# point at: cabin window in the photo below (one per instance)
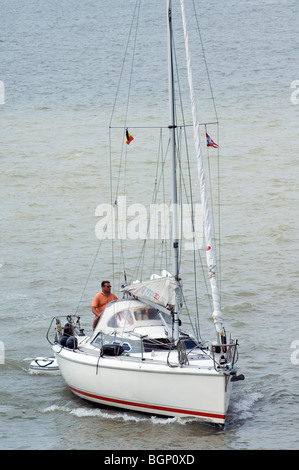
(146, 313)
(121, 319)
(127, 317)
(156, 344)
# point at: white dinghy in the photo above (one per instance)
(44, 366)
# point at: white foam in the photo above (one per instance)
(244, 406)
(85, 412)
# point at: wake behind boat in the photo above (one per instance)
(139, 357)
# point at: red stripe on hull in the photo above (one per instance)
(154, 408)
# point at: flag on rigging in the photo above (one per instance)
(210, 142)
(129, 138)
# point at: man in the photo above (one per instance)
(100, 301)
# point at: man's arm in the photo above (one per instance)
(95, 311)
(95, 307)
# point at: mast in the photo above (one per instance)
(217, 315)
(172, 128)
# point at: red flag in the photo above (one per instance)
(210, 142)
(129, 138)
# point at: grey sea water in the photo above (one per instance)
(60, 65)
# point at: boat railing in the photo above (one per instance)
(225, 355)
(67, 325)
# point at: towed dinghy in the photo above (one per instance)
(44, 366)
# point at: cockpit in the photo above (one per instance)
(130, 315)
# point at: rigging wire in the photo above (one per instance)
(205, 59)
(88, 277)
(159, 181)
(134, 15)
(122, 168)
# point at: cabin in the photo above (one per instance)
(132, 326)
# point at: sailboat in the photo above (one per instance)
(138, 357)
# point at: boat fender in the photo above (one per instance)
(63, 340)
(236, 378)
(72, 342)
(215, 348)
(67, 333)
(223, 340)
(222, 361)
(68, 329)
(69, 342)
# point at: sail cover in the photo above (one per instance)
(159, 290)
(217, 315)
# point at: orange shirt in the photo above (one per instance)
(100, 300)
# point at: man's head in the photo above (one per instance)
(106, 287)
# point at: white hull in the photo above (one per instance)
(148, 385)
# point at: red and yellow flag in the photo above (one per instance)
(129, 138)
